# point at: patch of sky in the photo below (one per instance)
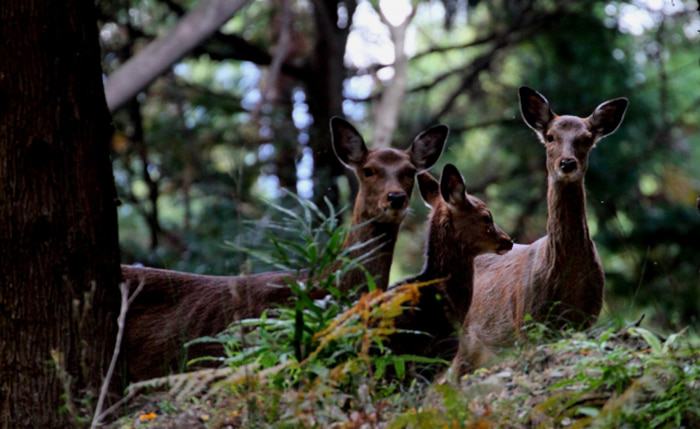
(354, 111)
(250, 74)
(182, 70)
(268, 186)
(153, 171)
(251, 99)
(300, 113)
(196, 116)
(305, 168)
(265, 152)
(225, 76)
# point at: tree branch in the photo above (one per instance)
(233, 47)
(140, 70)
(443, 49)
(386, 111)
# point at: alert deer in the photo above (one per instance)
(460, 227)
(176, 307)
(559, 278)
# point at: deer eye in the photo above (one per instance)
(367, 172)
(550, 138)
(486, 218)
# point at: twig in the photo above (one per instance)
(126, 302)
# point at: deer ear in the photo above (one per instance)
(607, 117)
(452, 186)
(429, 188)
(534, 109)
(348, 144)
(427, 147)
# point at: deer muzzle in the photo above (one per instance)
(504, 247)
(397, 200)
(568, 165)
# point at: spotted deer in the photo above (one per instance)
(176, 307)
(559, 278)
(460, 227)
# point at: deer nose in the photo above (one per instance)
(396, 200)
(567, 165)
(505, 245)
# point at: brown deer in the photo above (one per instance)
(176, 307)
(460, 227)
(559, 278)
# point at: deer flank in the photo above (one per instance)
(559, 278)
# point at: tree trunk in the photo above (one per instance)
(59, 255)
(324, 85)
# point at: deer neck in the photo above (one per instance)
(567, 226)
(385, 235)
(449, 259)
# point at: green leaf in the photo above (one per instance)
(588, 411)
(649, 337)
(400, 366)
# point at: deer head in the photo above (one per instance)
(569, 139)
(386, 176)
(472, 228)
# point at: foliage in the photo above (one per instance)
(325, 334)
(605, 377)
(601, 378)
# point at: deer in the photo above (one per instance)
(173, 307)
(460, 228)
(558, 279)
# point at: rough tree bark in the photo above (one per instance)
(59, 255)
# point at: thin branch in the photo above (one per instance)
(442, 49)
(423, 87)
(121, 322)
(504, 38)
(454, 130)
(519, 30)
(477, 66)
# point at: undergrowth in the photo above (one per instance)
(323, 363)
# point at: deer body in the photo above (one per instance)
(176, 307)
(559, 278)
(460, 227)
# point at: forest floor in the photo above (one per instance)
(625, 377)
